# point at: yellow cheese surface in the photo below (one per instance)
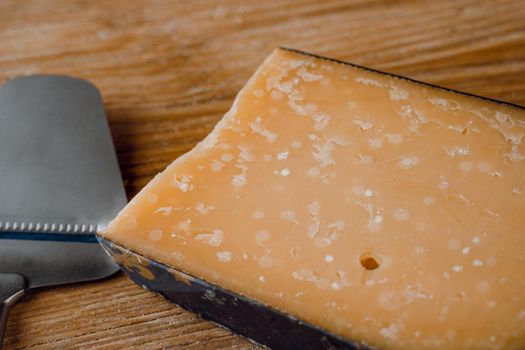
(382, 210)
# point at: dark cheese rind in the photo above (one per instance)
(242, 315)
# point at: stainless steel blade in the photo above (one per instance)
(59, 183)
(58, 168)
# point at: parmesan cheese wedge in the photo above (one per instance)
(379, 210)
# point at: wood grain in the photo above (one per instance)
(168, 70)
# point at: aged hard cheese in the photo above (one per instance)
(382, 210)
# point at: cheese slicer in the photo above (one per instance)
(59, 183)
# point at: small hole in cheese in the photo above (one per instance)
(368, 261)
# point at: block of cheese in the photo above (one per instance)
(376, 209)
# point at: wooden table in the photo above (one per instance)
(168, 70)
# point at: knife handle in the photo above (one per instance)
(12, 289)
